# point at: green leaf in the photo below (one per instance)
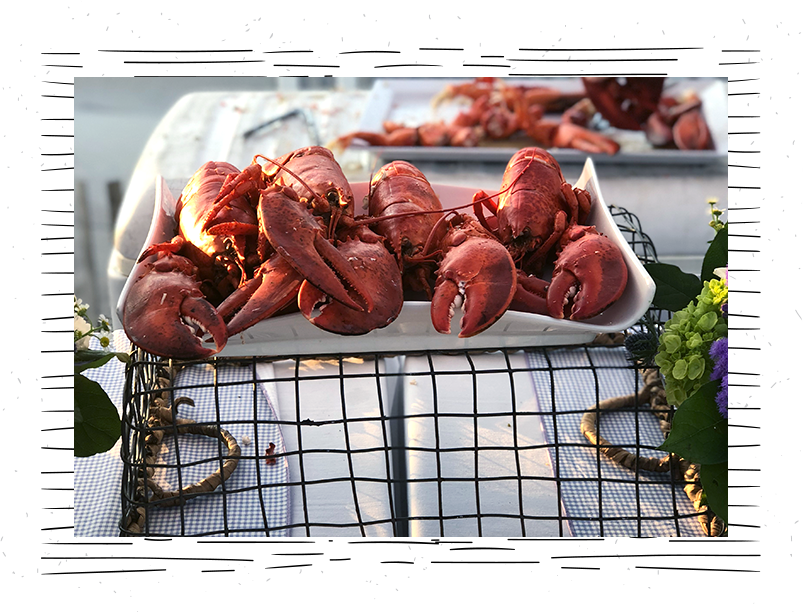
(699, 433)
(714, 480)
(97, 424)
(94, 359)
(716, 256)
(674, 288)
(675, 395)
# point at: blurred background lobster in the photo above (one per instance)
(283, 235)
(641, 103)
(553, 118)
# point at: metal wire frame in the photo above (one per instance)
(143, 384)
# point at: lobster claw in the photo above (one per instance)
(590, 274)
(691, 132)
(166, 314)
(476, 271)
(378, 269)
(299, 237)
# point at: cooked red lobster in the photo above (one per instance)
(406, 211)
(282, 235)
(171, 305)
(538, 213)
(640, 103)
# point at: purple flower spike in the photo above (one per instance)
(722, 397)
(719, 353)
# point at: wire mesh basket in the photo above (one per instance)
(418, 444)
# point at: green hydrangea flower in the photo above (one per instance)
(683, 351)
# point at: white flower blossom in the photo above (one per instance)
(79, 307)
(82, 327)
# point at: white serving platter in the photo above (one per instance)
(292, 334)
(409, 101)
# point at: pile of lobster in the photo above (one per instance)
(499, 111)
(283, 235)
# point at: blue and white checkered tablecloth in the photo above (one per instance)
(562, 379)
(583, 477)
(255, 494)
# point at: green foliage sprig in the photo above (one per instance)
(97, 423)
(683, 351)
(699, 305)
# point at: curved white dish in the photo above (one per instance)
(292, 334)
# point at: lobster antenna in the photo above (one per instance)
(435, 229)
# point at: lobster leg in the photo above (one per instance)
(531, 294)
(274, 286)
(400, 137)
(248, 181)
(163, 248)
(572, 136)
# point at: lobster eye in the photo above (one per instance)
(333, 198)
